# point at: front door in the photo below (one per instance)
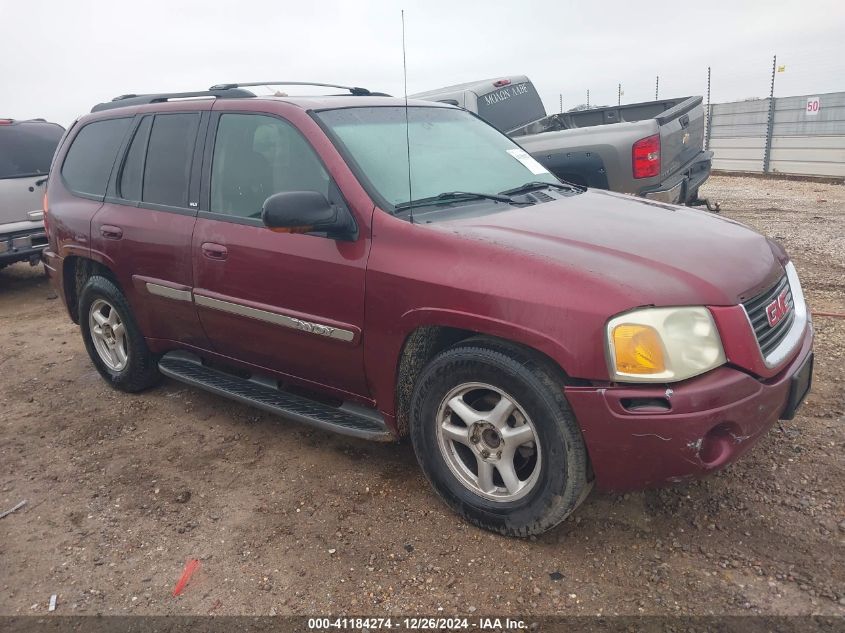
(292, 303)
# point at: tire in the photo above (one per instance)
(551, 469)
(139, 368)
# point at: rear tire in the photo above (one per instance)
(518, 466)
(113, 339)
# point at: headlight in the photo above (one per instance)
(662, 344)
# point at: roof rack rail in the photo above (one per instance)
(124, 101)
(353, 90)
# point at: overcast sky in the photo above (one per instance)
(57, 59)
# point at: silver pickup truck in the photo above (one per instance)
(652, 149)
(26, 150)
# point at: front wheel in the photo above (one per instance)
(496, 438)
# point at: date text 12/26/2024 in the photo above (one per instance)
(416, 623)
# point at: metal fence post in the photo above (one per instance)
(767, 154)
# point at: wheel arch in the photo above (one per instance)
(427, 338)
(76, 270)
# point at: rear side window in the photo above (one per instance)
(169, 153)
(91, 156)
(26, 149)
(132, 175)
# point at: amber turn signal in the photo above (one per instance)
(638, 349)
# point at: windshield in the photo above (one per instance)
(450, 150)
(26, 149)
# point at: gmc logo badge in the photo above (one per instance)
(777, 309)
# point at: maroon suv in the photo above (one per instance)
(532, 338)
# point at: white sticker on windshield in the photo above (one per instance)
(526, 159)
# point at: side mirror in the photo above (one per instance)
(306, 212)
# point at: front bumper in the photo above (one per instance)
(645, 436)
(682, 187)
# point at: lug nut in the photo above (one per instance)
(485, 453)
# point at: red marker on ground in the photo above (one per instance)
(191, 565)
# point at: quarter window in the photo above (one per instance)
(256, 156)
(169, 153)
(89, 160)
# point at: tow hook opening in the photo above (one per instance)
(717, 444)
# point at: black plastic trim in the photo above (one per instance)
(189, 369)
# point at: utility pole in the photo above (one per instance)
(561, 103)
(656, 87)
(588, 98)
(770, 124)
(619, 95)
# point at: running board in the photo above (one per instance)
(347, 419)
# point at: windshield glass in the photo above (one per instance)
(451, 150)
(26, 149)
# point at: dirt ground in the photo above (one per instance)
(122, 489)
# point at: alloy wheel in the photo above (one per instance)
(489, 442)
(108, 334)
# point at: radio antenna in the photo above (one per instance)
(407, 125)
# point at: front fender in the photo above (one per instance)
(384, 349)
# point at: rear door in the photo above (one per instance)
(26, 149)
(291, 303)
(144, 227)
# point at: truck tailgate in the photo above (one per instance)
(681, 135)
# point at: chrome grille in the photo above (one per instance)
(768, 337)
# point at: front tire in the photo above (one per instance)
(113, 339)
(496, 438)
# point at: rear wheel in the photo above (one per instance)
(112, 338)
(497, 439)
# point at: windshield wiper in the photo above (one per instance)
(539, 184)
(454, 196)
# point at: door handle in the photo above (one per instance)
(111, 232)
(214, 251)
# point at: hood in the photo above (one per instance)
(647, 252)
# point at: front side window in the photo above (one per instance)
(450, 150)
(89, 160)
(256, 156)
(170, 150)
(26, 149)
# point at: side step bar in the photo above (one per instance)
(348, 419)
